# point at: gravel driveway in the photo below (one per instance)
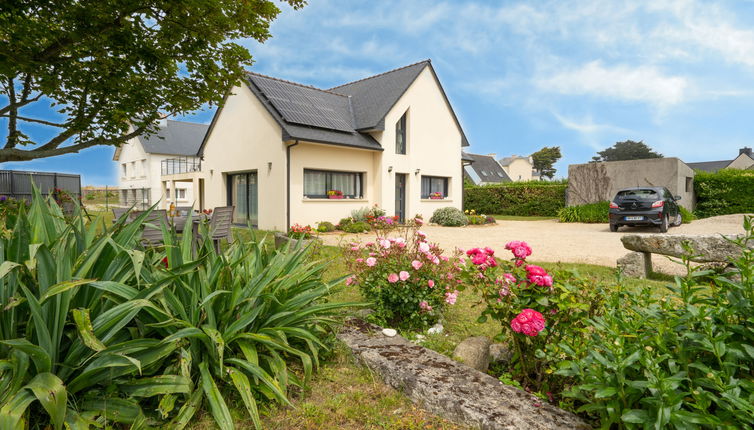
(553, 241)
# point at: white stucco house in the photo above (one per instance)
(276, 148)
(519, 168)
(142, 161)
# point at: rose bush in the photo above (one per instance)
(404, 276)
(536, 310)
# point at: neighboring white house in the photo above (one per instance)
(519, 168)
(143, 160)
(275, 148)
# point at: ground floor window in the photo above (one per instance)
(318, 182)
(243, 193)
(180, 193)
(434, 184)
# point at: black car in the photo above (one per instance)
(652, 206)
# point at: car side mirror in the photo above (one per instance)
(677, 198)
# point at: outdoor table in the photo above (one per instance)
(179, 221)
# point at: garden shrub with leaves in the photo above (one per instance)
(365, 213)
(681, 359)
(449, 217)
(478, 219)
(356, 227)
(727, 191)
(589, 213)
(536, 310)
(325, 227)
(405, 278)
(97, 330)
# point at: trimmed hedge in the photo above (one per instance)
(729, 191)
(533, 198)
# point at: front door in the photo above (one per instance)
(400, 196)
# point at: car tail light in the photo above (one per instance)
(658, 204)
(614, 206)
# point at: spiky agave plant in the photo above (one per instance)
(247, 313)
(71, 297)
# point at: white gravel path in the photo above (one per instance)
(553, 241)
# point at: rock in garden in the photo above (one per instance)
(420, 338)
(632, 265)
(499, 353)
(363, 313)
(435, 329)
(706, 248)
(389, 332)
(474, 352)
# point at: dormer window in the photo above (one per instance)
(400, 135)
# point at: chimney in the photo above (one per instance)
(745, 150)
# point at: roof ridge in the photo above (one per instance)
(188, 122)
(295, 83)
(381, 74)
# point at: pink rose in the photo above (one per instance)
(369, 244)
(371, 261)
(359, 260)
(504, 291)
(423, 247)
(528, 322)
(404, 275)
(450, 298)
(392, 278)
(385, 243)
(417, 264)
(431, 283)
(350, 280)
(424, 306)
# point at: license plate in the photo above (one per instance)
(634, 218)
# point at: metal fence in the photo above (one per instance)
(171, 166)
(18, 184)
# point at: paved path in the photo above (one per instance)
(553, 241)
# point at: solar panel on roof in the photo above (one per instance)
(300, 105)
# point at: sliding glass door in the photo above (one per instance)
(242, 193)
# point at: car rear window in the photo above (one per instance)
(647, 194)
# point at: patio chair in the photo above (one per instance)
(184, 210)
(219, 225)
(152, 236)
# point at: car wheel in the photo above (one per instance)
(664, 224)
(613, 227)
(678, 219)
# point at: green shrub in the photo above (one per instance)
(449, 217)
(325, 227)
(672, 359)
(95, 327)
(363, 214)
(534, 198)
(356, 227)
(343, 223)
(686, 215)
(729, 191)
(589, 213)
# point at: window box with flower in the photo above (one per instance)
(436, 196)
(335, 194)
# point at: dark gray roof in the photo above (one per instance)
(175, 138)
(374, 96)
(710, 166)
(308, 113)
(466, 157)
(487, 169)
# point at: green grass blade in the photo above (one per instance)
(217, 405)
(39, 356)
(244, 389)
(85, 329)
(51, 393)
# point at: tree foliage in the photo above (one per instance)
(101, 66)
(544, 159)
(628, 150)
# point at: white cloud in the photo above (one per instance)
(592, 134)
(638, 83)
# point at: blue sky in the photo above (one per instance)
(521, 75)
